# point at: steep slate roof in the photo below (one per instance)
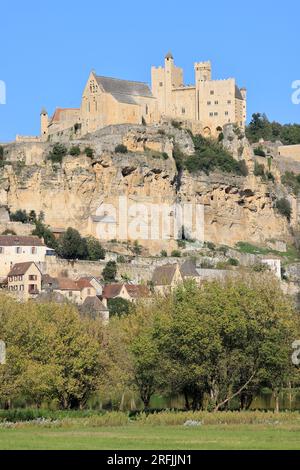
(238, 93)
(13, 240)
(188, 269)
(95, 304)
(137, 291)
(163, 275)
(20, 269)
(124, 91)
(112, 290)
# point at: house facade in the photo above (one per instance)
(14, 250)
(24, 281)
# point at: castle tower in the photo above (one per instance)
(202, 72)
(44, 124)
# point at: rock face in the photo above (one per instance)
(77, 192)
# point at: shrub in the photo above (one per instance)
(118, 307)
(121, 259)
(181, 244)
(176, 254)
(95, 251)
(165, 156)
(259, 151)
(58, 152)
(259, 170)
(233, 262)
(284, 208)
(89, 152)
(20, 216)
(109, 273)
(75, 151)
(291, 181)
(211, 246)
(9, 232)
(121, 149)
(176, 124)
(164, 254)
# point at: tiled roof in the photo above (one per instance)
(112, 290)
(163, 275)
(64, 283)
(20, 269)
(137, 291)
(124, 91)
(84, 283)
(13, 240)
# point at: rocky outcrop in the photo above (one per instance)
(236, 208)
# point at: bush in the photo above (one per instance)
(211, 246)
(181, 244)
(164, 254)
(259, 151)
(121, 149)
(137, 248)
(176, 124)
(109, 273)
(58, 152)
(118, 307)
(72, 246)
(284, 208)
(291, 181)
(176, 254)
(233, 262)
(210, 155)
(89, 152)
(20, 216)
(9, 232)
(75, 151)
(259, 170)
(165, 156)
(121, 259)
(95, 251)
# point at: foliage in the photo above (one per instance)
(176, 124)
(72, 246)
(75, 151)
(121, 149)
(90, 153)
(43, 231)
(57, 153)
(51, 354)
(137, 248)
(261, 128)
(292, 181)
(164, 254)
(118, 307)
(121, 259)
(9, 232)
(95, 251)
(284, 208)
(233, 262)
(109, 273)
(176, 254)
(259, 151)
(210, 155)
(20, 216)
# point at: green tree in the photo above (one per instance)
(94, 249)
(118, 307)
(57, 153)
(284, 207)
(109, 273)
(72, 246)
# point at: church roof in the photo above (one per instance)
(124, 91)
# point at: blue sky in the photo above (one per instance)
(48, 49)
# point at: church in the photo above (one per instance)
(106, 101)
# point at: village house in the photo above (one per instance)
(76, 291)
(96, 309)
(24, 281)
(166, 278)
(130, 292)
(15, 250)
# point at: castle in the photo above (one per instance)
(208, 103)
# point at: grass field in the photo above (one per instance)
(150, 437)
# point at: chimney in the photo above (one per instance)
(104, 301)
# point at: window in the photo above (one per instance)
(70, 294)
(89, 291)
(161, 84)
(19, 250)
(183, 110)
(216, 102)
(147, 109)
(1, 250)
(216, 114)
(226, 113)
(229, 102)
(33, 250)
(212, 92)
(32, 278)
(209, 103)
(211, 114)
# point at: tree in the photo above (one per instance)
(284, 207)
(72, 246)
(51, 354)
(57, 153)
(94, 249)
(19, 216)
(43, 231)
(118, 307)
(109, 273)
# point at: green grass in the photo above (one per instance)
(290, 255)
(140, 437)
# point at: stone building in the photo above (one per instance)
(106, 101)
(24, 281)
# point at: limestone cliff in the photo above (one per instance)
(236, 208)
